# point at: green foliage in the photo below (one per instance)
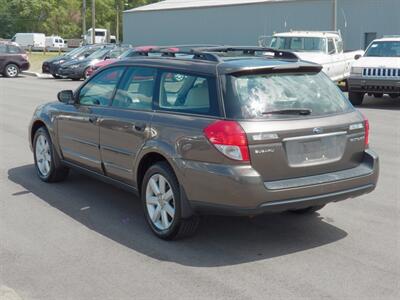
(60, 17)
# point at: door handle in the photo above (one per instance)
(139, 126)
(93, 119)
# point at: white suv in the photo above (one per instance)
(377, 72)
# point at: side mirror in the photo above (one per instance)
(86, 55)
(357, 56)
(107, 57)
(66, 96)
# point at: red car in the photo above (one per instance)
(126, 54)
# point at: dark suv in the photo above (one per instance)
(13, 59)
(245, 132)
(52, 65)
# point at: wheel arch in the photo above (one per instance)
(150, 157)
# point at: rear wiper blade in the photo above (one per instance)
(289, 111)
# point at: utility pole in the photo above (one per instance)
(83, 18)
(93, 21)
(117, 27)
(334, 16)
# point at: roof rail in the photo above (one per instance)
(391, 36)
(214, 53)
(250, 50)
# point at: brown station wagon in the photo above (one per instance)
(246, 131)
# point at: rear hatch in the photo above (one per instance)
(297, 124)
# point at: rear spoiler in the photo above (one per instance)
(286, 68)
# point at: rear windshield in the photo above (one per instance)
(256, 96)
(299, 44)
(384, 49)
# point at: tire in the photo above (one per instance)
(163, 212)
(85, 73)
(307, 210)
(55, 76)
(378, 95)
(356, 98)
(75, 79)
(43, 150)
(11, 71)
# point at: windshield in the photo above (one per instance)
(75, 52)
(256, 96)
(100, 53)
(384, 49)
(299, 44)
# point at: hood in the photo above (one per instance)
(377, 62)
(82, 62)
(56, 59)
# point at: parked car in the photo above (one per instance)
(52, 65)
(13, 59)
(377, 72)
(133, 52)
(129, 52)
(30, 40)
(240, 135)
(321, 47)
(80, 68)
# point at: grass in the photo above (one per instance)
(37, 58)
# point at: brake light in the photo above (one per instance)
(366, 128)
(229, 139)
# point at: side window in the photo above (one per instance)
(3, 48)
(13, 49)
(331, 46)
(188, 94)
(136, 90)
(100, 89)
(339, 45)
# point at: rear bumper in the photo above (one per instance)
(366, 85)
(214, 189)
(24, 66)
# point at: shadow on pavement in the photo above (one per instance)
(385, 102)
(220, 241)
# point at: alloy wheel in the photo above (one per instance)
(160, 202)
(12, 71)
(43, 155)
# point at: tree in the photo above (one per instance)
(59, 17)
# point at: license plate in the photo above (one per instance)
(313, 150)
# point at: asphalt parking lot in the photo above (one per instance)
(82, 239)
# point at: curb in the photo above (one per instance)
(35, 74)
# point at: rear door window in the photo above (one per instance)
(14, 49)
(188, 93)
(3, 48)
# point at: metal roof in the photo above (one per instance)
(184, 4)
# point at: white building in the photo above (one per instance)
(241, 22)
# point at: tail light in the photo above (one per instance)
(25, 56)
(229, 139)
(366, 128)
